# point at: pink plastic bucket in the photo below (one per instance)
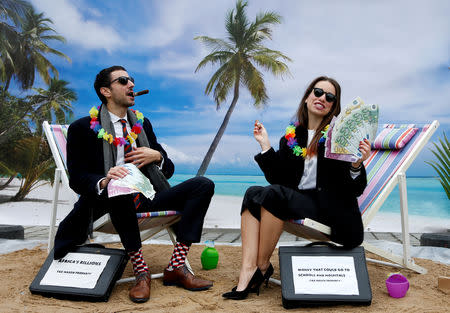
(397, 285)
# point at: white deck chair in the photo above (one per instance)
(385, 169)
(150, 223)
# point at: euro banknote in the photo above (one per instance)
(358, 121)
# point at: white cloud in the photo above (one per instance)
(386, 52)
(190, 149)
(376, 51)
(178, 156)
(177, 65)
(85, 33)
(175, 23)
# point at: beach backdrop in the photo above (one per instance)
(390, 53)
(156, 42)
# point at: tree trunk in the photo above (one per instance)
(215, 143)
(20, 195)
(24, 190)
(8, 182)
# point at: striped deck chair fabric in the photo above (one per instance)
(59, 134)
(382, 165)
(383, 168)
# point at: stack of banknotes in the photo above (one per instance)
(134, 182)
(358, 121)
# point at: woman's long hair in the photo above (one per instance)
(302, 112)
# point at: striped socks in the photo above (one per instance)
(178, 258)
(137, 260)
(179, 255)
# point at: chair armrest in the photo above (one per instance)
(317, 226)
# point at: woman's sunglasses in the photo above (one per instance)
(123, 80)
(318, 92)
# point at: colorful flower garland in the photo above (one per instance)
(292, 142)
(117, 141)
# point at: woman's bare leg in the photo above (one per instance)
(270, 231)
(250, 242)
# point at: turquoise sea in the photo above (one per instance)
(426, 197)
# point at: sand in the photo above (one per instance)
(19, 268)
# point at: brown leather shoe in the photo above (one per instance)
(182, 277)
(141, 289)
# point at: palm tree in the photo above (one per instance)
(237, 57)
(23, 48)
(31, 155)
(34, 163)
(14, 114)
(13, 127)
(442, 165)
(11, 11)
(33, 49)
(53, 104)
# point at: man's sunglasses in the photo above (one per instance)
(123, 80)
(318, 92)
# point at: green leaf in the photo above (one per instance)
(442, 164)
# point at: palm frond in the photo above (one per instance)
(55, 101)
(223, 87)
(269, 61)
(224, 82)
(236, 24)
(14, 9)
(445, 183)
(254, 81)
(215, 78)
(215, 44)
(4, 169)
(220, 57)
(442, 165)
(260, 29)
(442, 155)
(275, 54)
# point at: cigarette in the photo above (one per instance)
(140, 93)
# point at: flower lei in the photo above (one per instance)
(292, 142)
(117, 141)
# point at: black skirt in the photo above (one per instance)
(283, 202)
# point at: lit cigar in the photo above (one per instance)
(140, 93)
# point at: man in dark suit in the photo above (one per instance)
(94, 159)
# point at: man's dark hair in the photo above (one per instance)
(103, 79)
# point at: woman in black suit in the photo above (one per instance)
(304, 184)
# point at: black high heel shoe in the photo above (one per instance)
(254, 283)
(266, 277)
(268, 273)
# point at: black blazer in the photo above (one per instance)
(86, 168)
(337, 190)
(85, 156)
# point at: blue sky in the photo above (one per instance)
(391, 53)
